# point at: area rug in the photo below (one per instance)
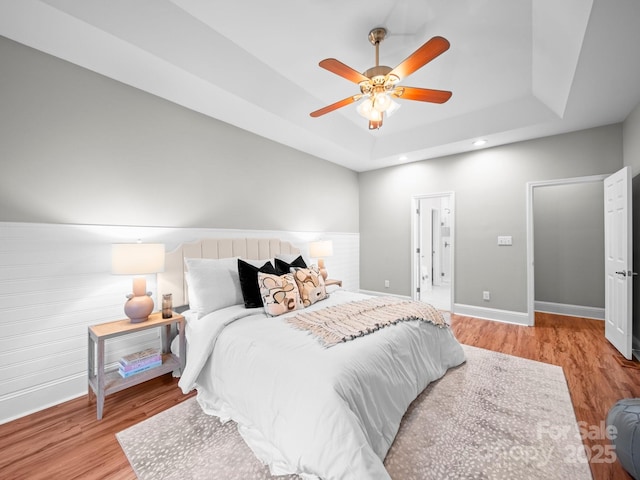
(494, 417)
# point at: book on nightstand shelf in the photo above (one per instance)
(140, 363)
(149, 366)
(140, 356)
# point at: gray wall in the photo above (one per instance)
(569, 244)
(631, 140)
(490, 189)
(76, 147)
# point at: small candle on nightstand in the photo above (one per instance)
(167, 306)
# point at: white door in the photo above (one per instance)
(618, 260)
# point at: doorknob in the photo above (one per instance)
(630, 273)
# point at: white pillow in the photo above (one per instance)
(212, 284)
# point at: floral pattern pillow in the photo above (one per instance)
(279, 293)
(310, 284)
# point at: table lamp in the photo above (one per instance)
(321, 249)
(137, 259)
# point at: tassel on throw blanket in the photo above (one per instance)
(340, 323)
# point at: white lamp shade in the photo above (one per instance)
(321, 249)
(137, 258)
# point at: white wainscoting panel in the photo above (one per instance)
(55, 282)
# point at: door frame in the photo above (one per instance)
(531, 186)
(423, 242)
(436, 246)
(415, 204)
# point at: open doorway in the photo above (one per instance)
(568, 281)
(432, 249)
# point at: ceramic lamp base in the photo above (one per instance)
(323, 271)
(138, 308)
(139, 305)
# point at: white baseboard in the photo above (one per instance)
(43, 396)
(506, 316)
(381, 294)
(570, 310)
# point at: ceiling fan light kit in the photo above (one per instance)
(378, 84)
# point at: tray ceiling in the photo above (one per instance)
(518, 70)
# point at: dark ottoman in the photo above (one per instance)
(625, 417)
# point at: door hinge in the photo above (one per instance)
(417, 250)
(418, 211)
(418, 290)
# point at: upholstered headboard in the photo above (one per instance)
(172, 280)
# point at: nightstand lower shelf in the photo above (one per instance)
(114, 382)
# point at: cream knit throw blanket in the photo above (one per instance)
(340, 323)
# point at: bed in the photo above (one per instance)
(303, 407)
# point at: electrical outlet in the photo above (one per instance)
(486, 295)
(387, 284)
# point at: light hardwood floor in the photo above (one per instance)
(67, 442)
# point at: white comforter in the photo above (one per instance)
(302, 408)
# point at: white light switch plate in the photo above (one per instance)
(505, 240)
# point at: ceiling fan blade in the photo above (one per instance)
(422, 94)
(422, 56)
(334, 106)
(345, 71)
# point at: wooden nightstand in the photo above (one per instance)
(104, 383)
(331, 281)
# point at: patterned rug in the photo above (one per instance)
(494, 417)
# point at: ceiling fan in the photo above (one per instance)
(378, 84)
